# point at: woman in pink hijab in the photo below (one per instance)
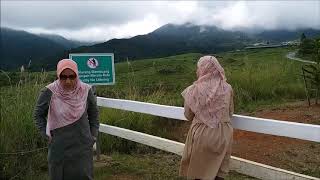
(66, 114)
(208, 103)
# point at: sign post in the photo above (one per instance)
(95, 68)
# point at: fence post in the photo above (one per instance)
(98, 152)
(305, 84)
(98, 136)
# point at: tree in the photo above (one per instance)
(311, 74)
(307, 46)
(302, 37)
(317, 51)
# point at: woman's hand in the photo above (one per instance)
(94, 139)
(94, 143)
(49, 139)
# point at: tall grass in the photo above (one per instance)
(22, 151)
(258, 77)
(134, 90)
(263, 78)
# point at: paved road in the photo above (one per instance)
(292, 55)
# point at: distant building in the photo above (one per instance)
(260, 44)
(294, 43)
(268, 45)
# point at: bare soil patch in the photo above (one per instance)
(288, 153)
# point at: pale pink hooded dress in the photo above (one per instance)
(209, 104)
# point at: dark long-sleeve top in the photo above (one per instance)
(90, 115)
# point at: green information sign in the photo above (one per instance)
(95, 68)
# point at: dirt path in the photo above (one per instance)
(288, 153)
(292, 56)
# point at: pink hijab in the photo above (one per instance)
(209, 96)
(66, 107)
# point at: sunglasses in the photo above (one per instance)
(65, 77)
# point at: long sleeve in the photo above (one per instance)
(188, 113)
(41, 111)
(93, 113)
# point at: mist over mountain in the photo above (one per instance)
(170, 40)
(174, 39)
(286, 35)
(18, 47)
(67, 43)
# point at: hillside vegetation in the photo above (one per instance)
(260, 78)
(44, 50)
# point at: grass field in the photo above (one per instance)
(260, 78)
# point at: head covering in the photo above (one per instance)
(209, 96)
(66, 107)
(67, 63)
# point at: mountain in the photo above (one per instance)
(60, 40)
(174, 39)
(286, 35)
(170, 40)
(19, 47)
(68, 44)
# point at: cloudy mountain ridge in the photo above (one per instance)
(170, 39)
(19, 47)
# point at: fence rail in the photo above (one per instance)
(302, 131)
(260, 125)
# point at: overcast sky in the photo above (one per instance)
(103, 20)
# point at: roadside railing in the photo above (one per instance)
(302, 131)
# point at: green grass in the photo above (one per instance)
(157, 166)
(260, 78)
(263, 77)
(148, 166)
(18, 132)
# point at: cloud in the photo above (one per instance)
(262, 14)
(105, 32)
(103, 20)
(68, 14)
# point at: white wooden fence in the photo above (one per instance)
(260, 125)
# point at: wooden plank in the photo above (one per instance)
(146, 139)
(240, 165)
(308, 132)
(263, 171)
(143, 107)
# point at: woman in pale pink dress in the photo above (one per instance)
(208, 103)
